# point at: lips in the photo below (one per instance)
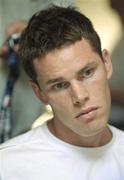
(87, 113)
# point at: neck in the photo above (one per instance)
(71, 137)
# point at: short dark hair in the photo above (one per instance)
(51, 29)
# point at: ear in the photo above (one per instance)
(107, 62)
(39, 93)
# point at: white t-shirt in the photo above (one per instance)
(39, 155)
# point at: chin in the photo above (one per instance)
(92, 129)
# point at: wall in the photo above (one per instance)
(105, 20)
(23, 9)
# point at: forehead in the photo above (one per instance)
(67, 59)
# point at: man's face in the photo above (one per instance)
(74, 81)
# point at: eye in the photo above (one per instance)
(60, 86)
(88, 72)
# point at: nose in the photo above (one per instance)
(79, 93)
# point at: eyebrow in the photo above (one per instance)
(51, 81)
(87, 66)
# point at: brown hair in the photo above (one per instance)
(51, 29)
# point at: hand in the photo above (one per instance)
(3, 52)
(12, 28)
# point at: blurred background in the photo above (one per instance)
(25, 108)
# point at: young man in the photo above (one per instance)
(61, 52)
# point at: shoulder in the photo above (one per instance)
(25, 139)
(118, 136)
(116, 130)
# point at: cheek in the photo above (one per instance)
(101, 90)
(60, 101)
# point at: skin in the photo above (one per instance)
(73, 80)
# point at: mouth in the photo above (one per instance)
(87, 114)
